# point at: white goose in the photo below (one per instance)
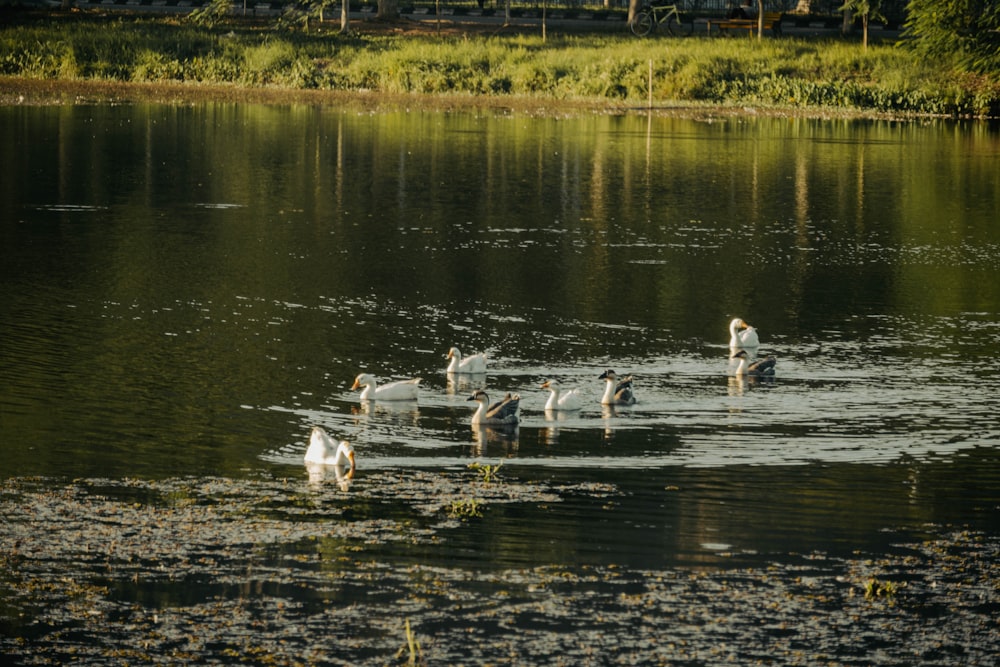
(505, 412)
(560, 399)
(742, 335)
(474, 363)
(617, 392)
(757, 368)
(403, 390)
(326, 451)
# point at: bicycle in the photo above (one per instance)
(650, 16)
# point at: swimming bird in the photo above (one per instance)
(325, 450)
(617, 392)
(560, 399)
(742, 335)
(505, 412)
(757, 368)
(474, 363)
(403, 390)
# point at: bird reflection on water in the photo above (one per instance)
(495, 440)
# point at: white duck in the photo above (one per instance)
(505, 412)
(757, 368)
(742, 335)
(403, 390)
(326, 451)
(474, 363)
(617, 392)
(559, 399)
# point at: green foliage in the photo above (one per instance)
(211, 14)
(884, 590)
(614, 68)
(266, 61)
(298, 15)
(488, 473)
(870, 9)
(966, 32)
(156, 66)
(465, 509)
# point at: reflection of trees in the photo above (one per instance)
(500, 210)
(708, 196)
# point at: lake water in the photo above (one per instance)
(188, 289)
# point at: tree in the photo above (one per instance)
(867, 10)
(388, 10)
(345, 17)
(321, 6)
(966, 30)
(210, 14)
(633, 9)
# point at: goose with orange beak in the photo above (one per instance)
(742, 335)
(326, 451)
(403, 390)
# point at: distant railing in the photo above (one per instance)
(612, 9)
(693, 6)
(697, 6)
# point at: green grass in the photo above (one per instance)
(600, 68)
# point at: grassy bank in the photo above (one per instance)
(609, 69)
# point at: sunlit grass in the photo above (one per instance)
(786, 73)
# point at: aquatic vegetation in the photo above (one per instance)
(875, 589)
(488, 473)
(412, 651)
(108, 571)
(466, 508)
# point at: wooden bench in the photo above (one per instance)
(772, 22)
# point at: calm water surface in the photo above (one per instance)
(186, 290)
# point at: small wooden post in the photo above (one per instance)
(650, 91)
(543, 20)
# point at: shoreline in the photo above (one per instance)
(15, 91)
(459, 65)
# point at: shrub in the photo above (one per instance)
(787, 72)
